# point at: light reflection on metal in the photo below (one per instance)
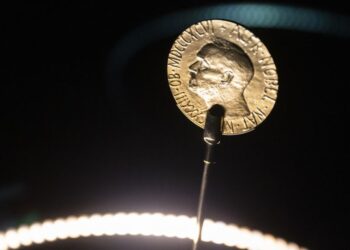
(221, 62)
(252, 15)
(146, 224)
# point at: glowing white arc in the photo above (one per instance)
(146, 224)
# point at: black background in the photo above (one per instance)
(68, 148)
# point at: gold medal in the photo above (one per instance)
(221, 62)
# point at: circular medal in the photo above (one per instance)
(221, 62)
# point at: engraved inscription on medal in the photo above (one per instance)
(220, 62)
(182, 100)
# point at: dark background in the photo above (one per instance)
(69, 147)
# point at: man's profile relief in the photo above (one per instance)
(220, 74)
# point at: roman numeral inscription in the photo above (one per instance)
(221, 62)
(190, 35)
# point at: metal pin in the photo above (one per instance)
(212, 135)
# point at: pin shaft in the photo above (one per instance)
(211, 136)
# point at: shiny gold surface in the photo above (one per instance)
(220, 62)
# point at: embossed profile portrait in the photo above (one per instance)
(220, 75)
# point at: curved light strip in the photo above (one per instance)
(145, 224)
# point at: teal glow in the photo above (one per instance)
(251, 15)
